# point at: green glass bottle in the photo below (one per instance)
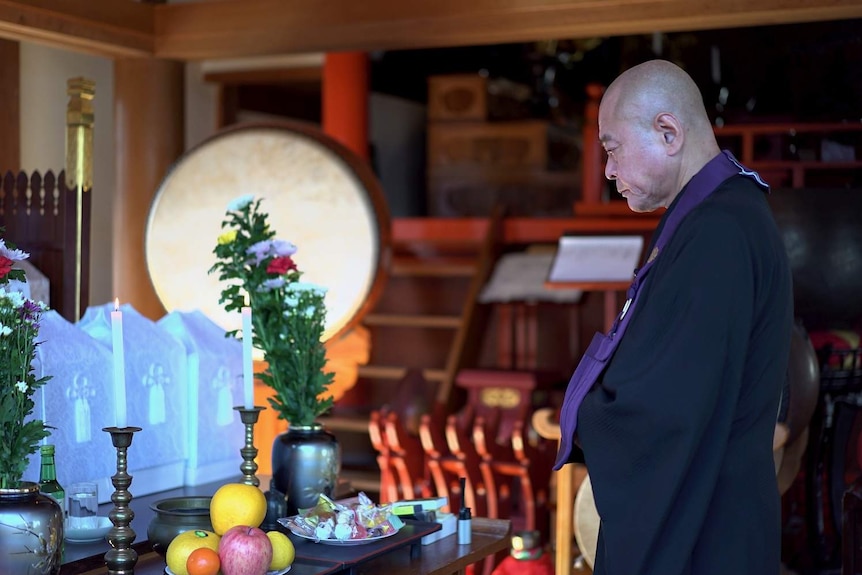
(48, 483)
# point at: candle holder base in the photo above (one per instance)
(121, 559)
(249, 417)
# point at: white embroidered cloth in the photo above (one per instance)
(156, 394)
(77, 402)
(213, 388)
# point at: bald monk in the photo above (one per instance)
(676, 406)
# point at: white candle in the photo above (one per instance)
(119, 364)
(247, 365)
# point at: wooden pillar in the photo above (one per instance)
(593, 169)
(10, 105)
(345, 100)
(149, 137)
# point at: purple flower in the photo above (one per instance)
(273, 283)
(282, 248)
(260, 251)
(30, 311)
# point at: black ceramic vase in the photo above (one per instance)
(306, 461)
(31, 531)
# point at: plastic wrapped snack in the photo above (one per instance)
(349, 520)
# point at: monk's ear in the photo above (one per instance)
(670, 131)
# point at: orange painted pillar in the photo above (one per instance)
(345, 95)
(345, 100)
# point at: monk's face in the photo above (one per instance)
(637, 161)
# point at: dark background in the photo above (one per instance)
(803, 72)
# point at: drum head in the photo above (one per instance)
(318, 194)
(587, 522)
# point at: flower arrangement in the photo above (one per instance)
(288, 315)
(19, 327)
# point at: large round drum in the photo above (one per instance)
(318, 194)
(586, 522)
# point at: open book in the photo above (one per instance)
(596, 258)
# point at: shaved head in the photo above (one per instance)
(657, 86)
(654, 127)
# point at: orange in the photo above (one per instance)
(237, 504)
(203, 561)
(184, 544)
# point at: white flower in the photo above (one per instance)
(14, 297)
(239, 203)
(14, 255)
(5, 329)
(22, 386)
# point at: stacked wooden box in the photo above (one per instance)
(483, 150)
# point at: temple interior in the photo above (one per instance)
(470, 133)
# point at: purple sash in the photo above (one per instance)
(602, 346)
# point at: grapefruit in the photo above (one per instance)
(283, 551)
(184, 544)
(237, 504)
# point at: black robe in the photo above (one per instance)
(677, 435)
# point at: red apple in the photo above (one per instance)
(244, 550)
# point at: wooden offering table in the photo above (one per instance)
(401, 554)
(443, 557)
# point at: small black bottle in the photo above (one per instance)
(465, 527)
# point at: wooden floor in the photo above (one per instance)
(581, 568)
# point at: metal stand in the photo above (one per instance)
(121, 559)
(249, 451)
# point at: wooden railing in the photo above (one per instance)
(789, 154)
(40, 216)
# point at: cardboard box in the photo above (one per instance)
(457, 97)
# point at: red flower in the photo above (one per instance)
(6, 266)
(280, 265)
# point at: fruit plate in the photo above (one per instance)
(282, 572)
(345, 543)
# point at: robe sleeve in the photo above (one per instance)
(655, 428)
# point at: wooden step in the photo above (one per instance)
(407, 320)
(444, 267)
(397, 372)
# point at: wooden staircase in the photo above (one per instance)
(426, 320)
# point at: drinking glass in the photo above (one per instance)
(83, 505)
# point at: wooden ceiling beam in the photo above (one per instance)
(113, 28)
(238, 28)
(245, 28)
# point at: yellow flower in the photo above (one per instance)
(227, 237)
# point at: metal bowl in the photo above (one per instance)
(176, 515)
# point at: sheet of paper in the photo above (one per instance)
(596, 258)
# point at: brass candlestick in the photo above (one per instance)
(121, 559)
(249, 451)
